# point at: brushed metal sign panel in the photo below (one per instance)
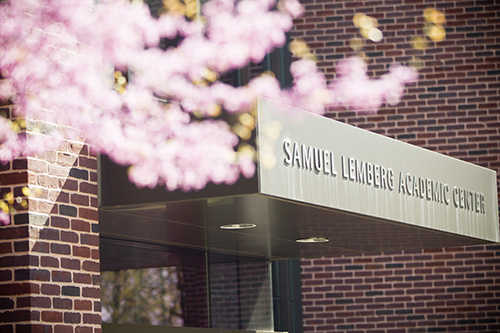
(314, 160)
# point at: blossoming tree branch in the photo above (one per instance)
(97, 69)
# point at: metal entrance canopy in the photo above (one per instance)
(317, 180)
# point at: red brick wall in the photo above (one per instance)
(195, 296)
(441, 290)
(49, 264)
(453, 109)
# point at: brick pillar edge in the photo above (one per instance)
(49, 254)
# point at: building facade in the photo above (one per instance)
(51, 258)
(454, 110)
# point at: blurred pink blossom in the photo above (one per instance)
(58, 56)
(355, 89)
(4, 218)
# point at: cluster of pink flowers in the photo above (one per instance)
(355, 89)
(58, 57)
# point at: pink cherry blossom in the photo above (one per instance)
(355, 89)
(58, 57)
(4, 218)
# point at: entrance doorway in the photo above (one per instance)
(151, 284)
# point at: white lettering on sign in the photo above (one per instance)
(309, 158)
(367, 173)
(424, 188)
(468, 200)
(322, 161)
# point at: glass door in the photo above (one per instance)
(158, 285)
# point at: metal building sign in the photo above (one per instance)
(310, 159)
(322, 188)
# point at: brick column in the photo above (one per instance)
(49, 264)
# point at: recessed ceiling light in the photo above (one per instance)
(239, 226)
(313, 240)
